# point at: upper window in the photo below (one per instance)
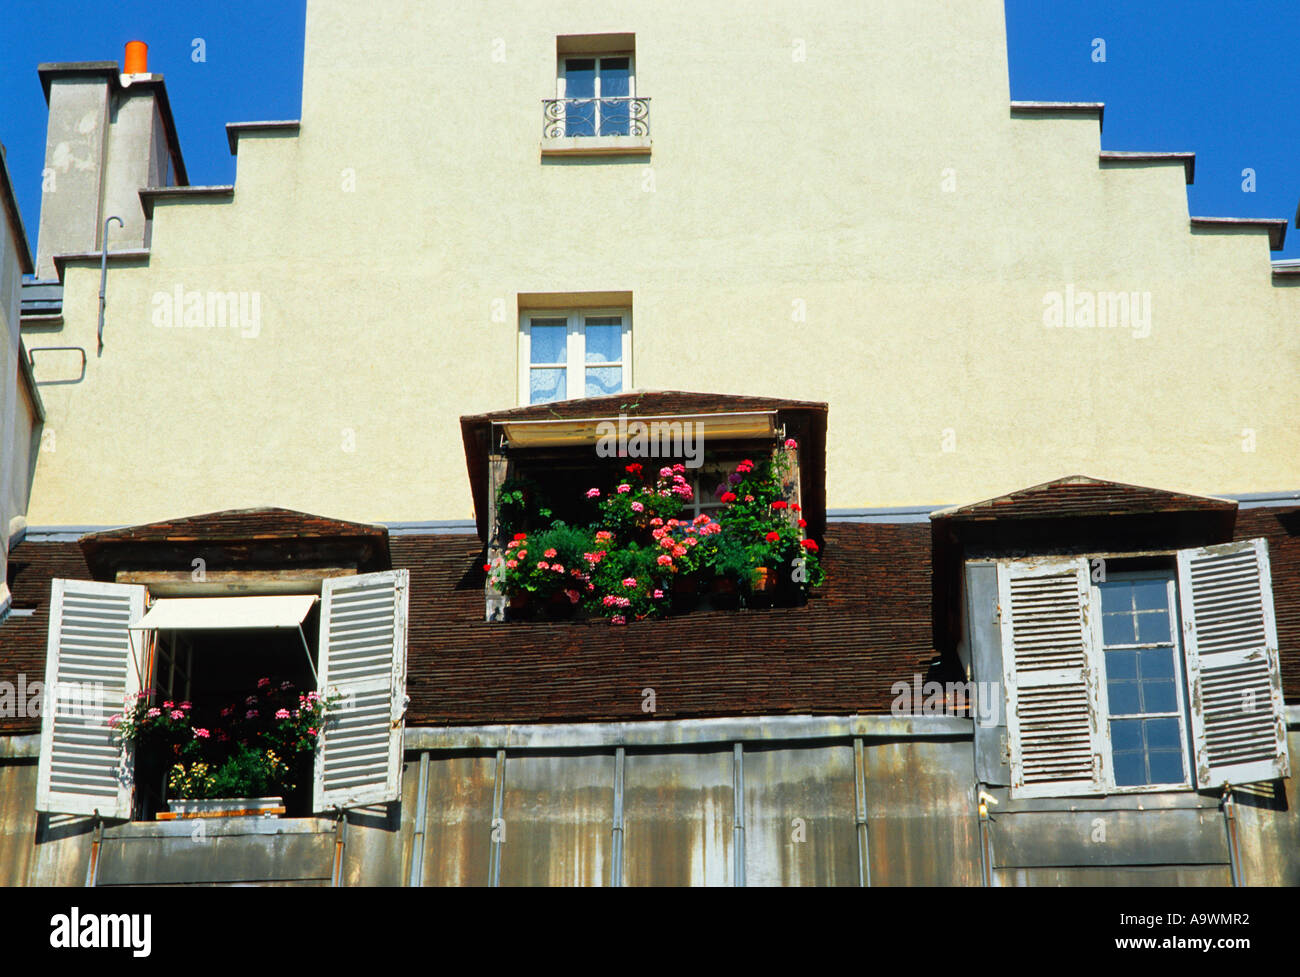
(565, 355)
(596, 109)
(1141, 674)
(597, 94)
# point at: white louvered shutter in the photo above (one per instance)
(363, 662)
(1052, 710)
(83, 766)
(1233, 680)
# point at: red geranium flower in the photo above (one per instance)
(808, 544)
(521, 536)
(487, 567)
(803, 523)
(795, 506)
(728, 496)
(633, 469)
(772, 537)
(778, 505)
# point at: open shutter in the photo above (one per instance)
(363, 667)
(1052, 715)
(90, 668)
(1233, 680)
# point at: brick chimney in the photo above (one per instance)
(109, 135)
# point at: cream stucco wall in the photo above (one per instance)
(413, 205)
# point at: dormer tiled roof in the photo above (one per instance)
(1080, 495)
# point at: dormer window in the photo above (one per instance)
(1125, 670)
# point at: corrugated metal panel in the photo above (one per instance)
(1268, 828)
(678, 816)
(799, 816)
(558, 814)
(1111, 838)
(17, 821)
(921, 813)
(1179, 876)
(458, 829)
(220, 851)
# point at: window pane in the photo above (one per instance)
(604, 343)
(1128, 770)
(1117, 629)
(547, 343)
(1162, 734)
(603, 380)
(1116, 596)
(545, 385)
(1159, 696)
(580, 78)
(1157, 663)
(615, 110)
(1126, 735)
(1123, 698)
(1150, 595)
(580, 83)
(1166, 767)
(1153, 627)
(1121, 664)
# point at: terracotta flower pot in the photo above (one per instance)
(764, 581)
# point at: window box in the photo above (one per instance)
(229, 807)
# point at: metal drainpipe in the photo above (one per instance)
(616, 841)
(1228, 806)
(986, 843)
(103, 276)
(421, 817)
(96, 837)
(860, 814)
(738, 794)
(498, 804)
(340, 830)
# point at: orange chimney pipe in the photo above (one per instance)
(137, 58)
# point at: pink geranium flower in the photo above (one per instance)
(629, 581)
(549, 553)
(593, 493)
(282, 714)
(637, 507)
(201, 734)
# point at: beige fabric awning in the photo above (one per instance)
(226, 613)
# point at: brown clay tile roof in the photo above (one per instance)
(868, 627)
(1079, 495)
(237, 524)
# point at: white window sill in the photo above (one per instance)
(596, 146)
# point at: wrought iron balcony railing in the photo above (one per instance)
(566, 117)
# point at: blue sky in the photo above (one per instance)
(1200, 75)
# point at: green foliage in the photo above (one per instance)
(521, 506)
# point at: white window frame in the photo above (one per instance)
(561, 83)
(575, 349)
